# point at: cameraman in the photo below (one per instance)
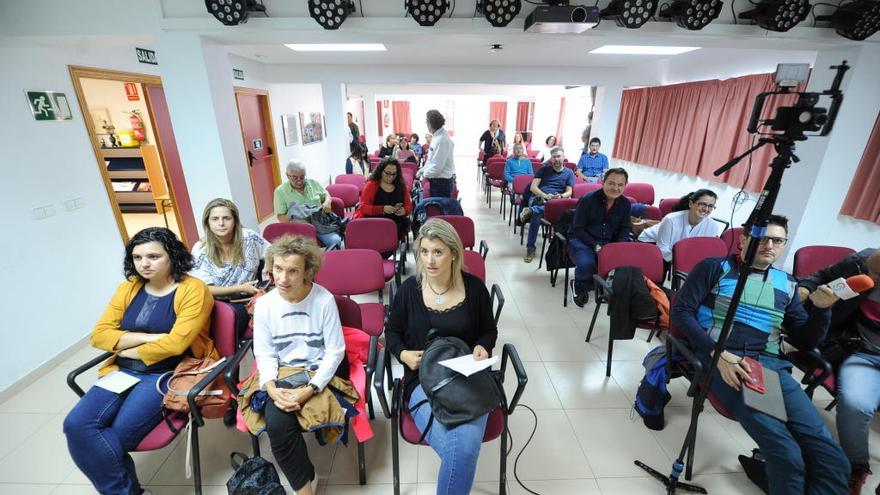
(855, 327)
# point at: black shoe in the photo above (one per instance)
(756, 469)
(579, 296)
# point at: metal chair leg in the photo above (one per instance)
(610, 352)
(395, 455)
(196, 460)
(502, 474)
(255, 445)
(593, 321)
(362, 465)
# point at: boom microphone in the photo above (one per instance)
(852, 286)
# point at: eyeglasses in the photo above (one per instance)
(705, 205)
(777, 241)
(296, 177)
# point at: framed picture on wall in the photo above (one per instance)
(100, 118)
(288, 125)
(311, 127)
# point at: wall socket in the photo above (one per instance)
(41, 212)
(74, 203)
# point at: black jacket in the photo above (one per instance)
(631, 302)
(408, 324)
(843, 312)
(593, 224)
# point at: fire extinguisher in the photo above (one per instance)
(137, 125)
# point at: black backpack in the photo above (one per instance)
(455, 399)
(556, 257)
(253, 476)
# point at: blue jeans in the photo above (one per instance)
(802, 457)
(534, 224)
(103, 427)
(441, 188)
(858, 396)
(458, 447)
(330, 240)
(584, 263)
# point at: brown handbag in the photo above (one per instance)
(213, 402)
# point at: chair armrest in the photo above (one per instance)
(484, 249)
(234, 362)
(509, 351)
(603, 287)
(378, 376)
(496, 294)
(817, 362)
(722, 222)
(71, 377)
(681, 274)
(194, 392)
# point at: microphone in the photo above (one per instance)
(851, 287)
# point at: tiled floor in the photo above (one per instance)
(587, 436)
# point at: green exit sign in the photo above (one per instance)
(49, 105)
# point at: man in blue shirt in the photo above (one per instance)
(601, 217)
(517, 164)
(592, 165)
(551, 181)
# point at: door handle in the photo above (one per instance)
(251, 158)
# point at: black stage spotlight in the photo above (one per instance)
(499, 13)
(630, 14)
(778, 15)
(692, 14)
(427, 12)
(856, 20)
(330, 14)
(233, 12)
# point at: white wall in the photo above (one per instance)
(293, 99)
(58, 273)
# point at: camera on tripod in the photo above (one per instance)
(791, 122)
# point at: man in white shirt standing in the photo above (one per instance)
(440, 167)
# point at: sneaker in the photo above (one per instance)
(579, 297)
(858, 477)
(530, 255)
(525, 215)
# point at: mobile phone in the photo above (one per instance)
(757, 374)
(264, 284)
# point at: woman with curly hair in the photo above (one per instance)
(385, 195)
(156, 317)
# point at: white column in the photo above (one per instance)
(196, 78)
(370, 128)
(605, 115)
(333, 94)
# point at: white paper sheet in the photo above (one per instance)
(467, 365)
(841, 289)
(117, 382)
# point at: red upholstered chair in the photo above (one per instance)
(409, 178)
(380, 235)
(353, 179)
(495, 178)
(553, 210)
(617, 254)
(520, 184)
(474, 261)
(731, 240)
(225, 341)
(275, 230)
(535, 166)
(348, 193)
(350, 272)
(426, 189)
(411, 166)
(667, 204)
(686, 253)
(641, 191)
(533, 153)
(402, 424)
(810, 259)
(338, 207)
(584, 188)
(652, 213)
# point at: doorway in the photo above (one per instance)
(130, 131)
(255, 116)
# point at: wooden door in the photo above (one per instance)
(259, 145)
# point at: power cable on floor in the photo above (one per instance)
(516, 461)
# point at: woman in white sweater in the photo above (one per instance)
(691, 217)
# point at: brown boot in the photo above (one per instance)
(857, 478)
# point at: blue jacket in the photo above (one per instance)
(516, 166)
(593, 166)
(593, 224)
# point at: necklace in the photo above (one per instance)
(438, 296)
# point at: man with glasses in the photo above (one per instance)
(855, 323)
(601, 217)
(300, 195)
(552, 181)
(801, 455)
(439, 167)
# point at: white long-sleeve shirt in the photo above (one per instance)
(675, 227)
(440, 164)
(306, 334)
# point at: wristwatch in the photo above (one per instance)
(315, 388)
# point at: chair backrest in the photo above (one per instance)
(810, 259)
(522, 182)
(349, 312)
(651, 212)
(411, 166)
(686, 253)
(409, 178)
(376, 233)
(337, 273)
(275, 230)
(643, 255)
(464, 227)
(667, 204)
(223, 329)
(426, 189)
(357, 180)
(495, 170)
(536, 166)
(731, 240)
(348, 193)
(583, 189)
(570, 166)
(338, 207)
(641, 191)
(554, 208)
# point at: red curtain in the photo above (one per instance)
(379, 117)
(522, 116)
(560, 122)
(400, 113)
(863, 199)
(694, 128)
(498, 111)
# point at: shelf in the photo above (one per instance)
(127, 174)
(133, 152)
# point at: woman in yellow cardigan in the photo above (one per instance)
(156, 317)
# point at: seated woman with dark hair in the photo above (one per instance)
(391, 142)
(457, 304)
(404, 152)
(357, 162)
(385, 195)
(690, 217)
(155, 318)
